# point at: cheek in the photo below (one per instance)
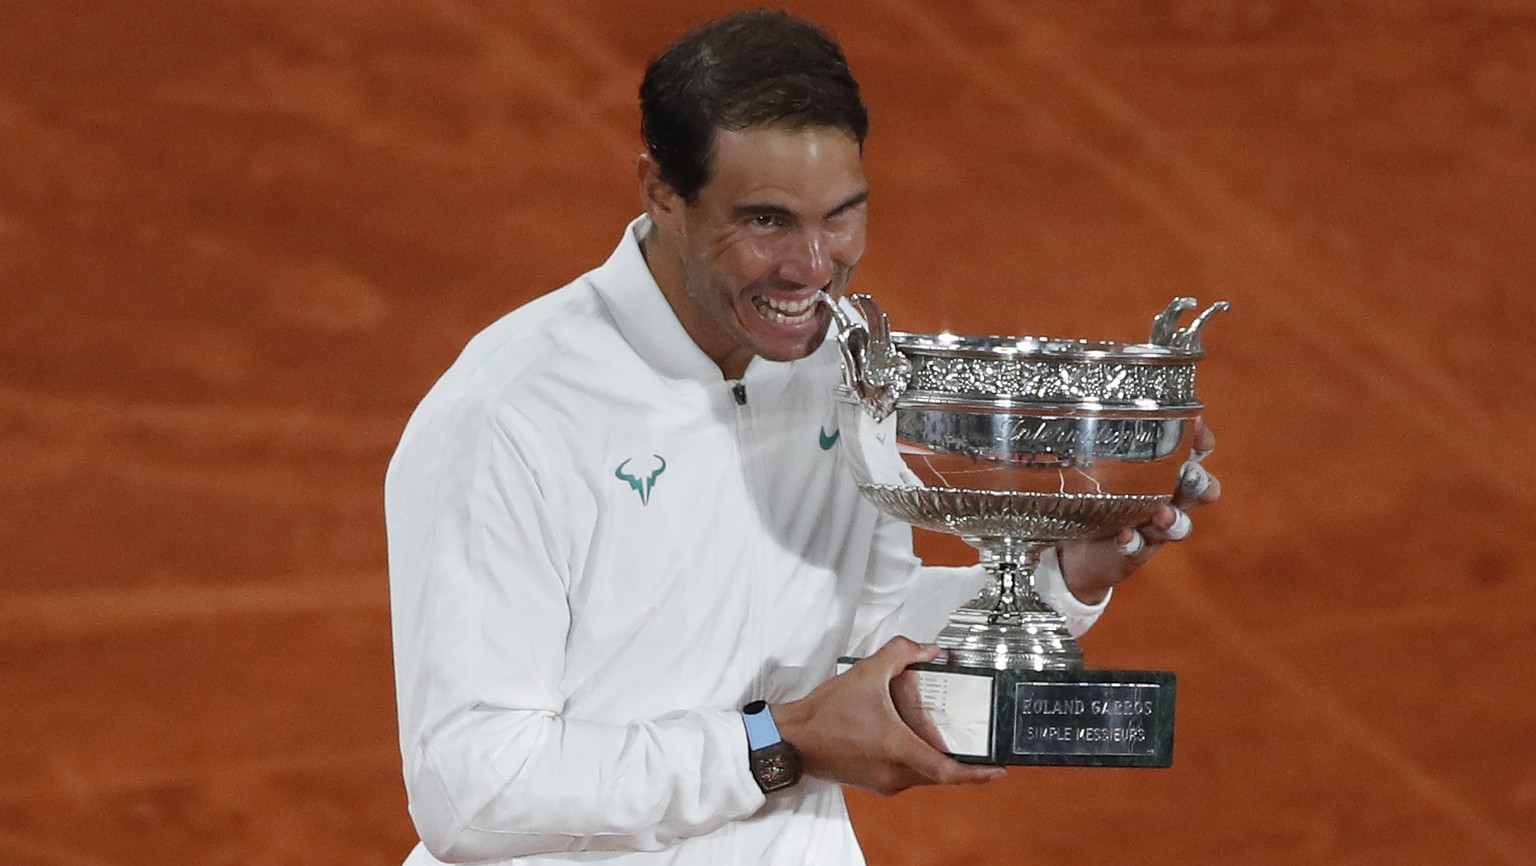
(847, 243)
(745, 263)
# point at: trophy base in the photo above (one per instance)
(1090, 718)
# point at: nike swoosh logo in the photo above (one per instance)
(828, 441)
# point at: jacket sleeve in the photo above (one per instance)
(479, 552)
(902, 596)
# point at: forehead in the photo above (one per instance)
(804, 167)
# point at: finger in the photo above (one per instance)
(1194, 479)
(1159, 523)
(1134, 552)
(907, 697)
(974, 774)
(922, 751)
(925, 749)
(1130, 542)
(1175, 530)
(941, 769)
(1181, 527)
(935, 767)
(1197, 486)
(1204, 441)
(899, 652)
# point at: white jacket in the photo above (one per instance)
(597, 555)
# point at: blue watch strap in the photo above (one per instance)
(761, 731)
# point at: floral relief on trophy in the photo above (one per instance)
(1050, 381)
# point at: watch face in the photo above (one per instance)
(776, 766)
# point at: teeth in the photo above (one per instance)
(785, 311)
(792, 307)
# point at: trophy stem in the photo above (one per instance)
(1007, 626)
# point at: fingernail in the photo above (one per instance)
(1199, 454)
(1195, 479)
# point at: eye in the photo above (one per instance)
(767, 221)
(850, 214)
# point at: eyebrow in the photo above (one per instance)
(852, 202)
(752, 210)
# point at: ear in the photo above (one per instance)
(661, 202)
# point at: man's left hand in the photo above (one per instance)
(1092, 568)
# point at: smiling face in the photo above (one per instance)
(781, 218)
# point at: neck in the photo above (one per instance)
(663, 256)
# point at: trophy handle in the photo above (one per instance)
(852, 341)
(872, 366)
(1166, 330)
(1188, 339)
(1166, 322)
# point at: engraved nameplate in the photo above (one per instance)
(1073, 718)
(1085, 718)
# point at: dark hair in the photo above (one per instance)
(755, 68)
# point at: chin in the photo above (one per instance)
(791, 352)
(787, 356)
(774, 345)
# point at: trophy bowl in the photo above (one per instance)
(1014, 444)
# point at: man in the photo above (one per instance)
(616, 521)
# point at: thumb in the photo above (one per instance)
(899, 652)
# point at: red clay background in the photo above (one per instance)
(239, 239)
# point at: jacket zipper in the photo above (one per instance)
(752, 627)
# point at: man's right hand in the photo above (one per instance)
(867, 728)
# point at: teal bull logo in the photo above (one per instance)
(642, 486)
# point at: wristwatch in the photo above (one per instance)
(775, 763)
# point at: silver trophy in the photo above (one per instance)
(1015, 444)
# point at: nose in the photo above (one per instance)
(808, 262)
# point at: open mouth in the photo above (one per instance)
(786, 311)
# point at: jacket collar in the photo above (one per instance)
(644, 317)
